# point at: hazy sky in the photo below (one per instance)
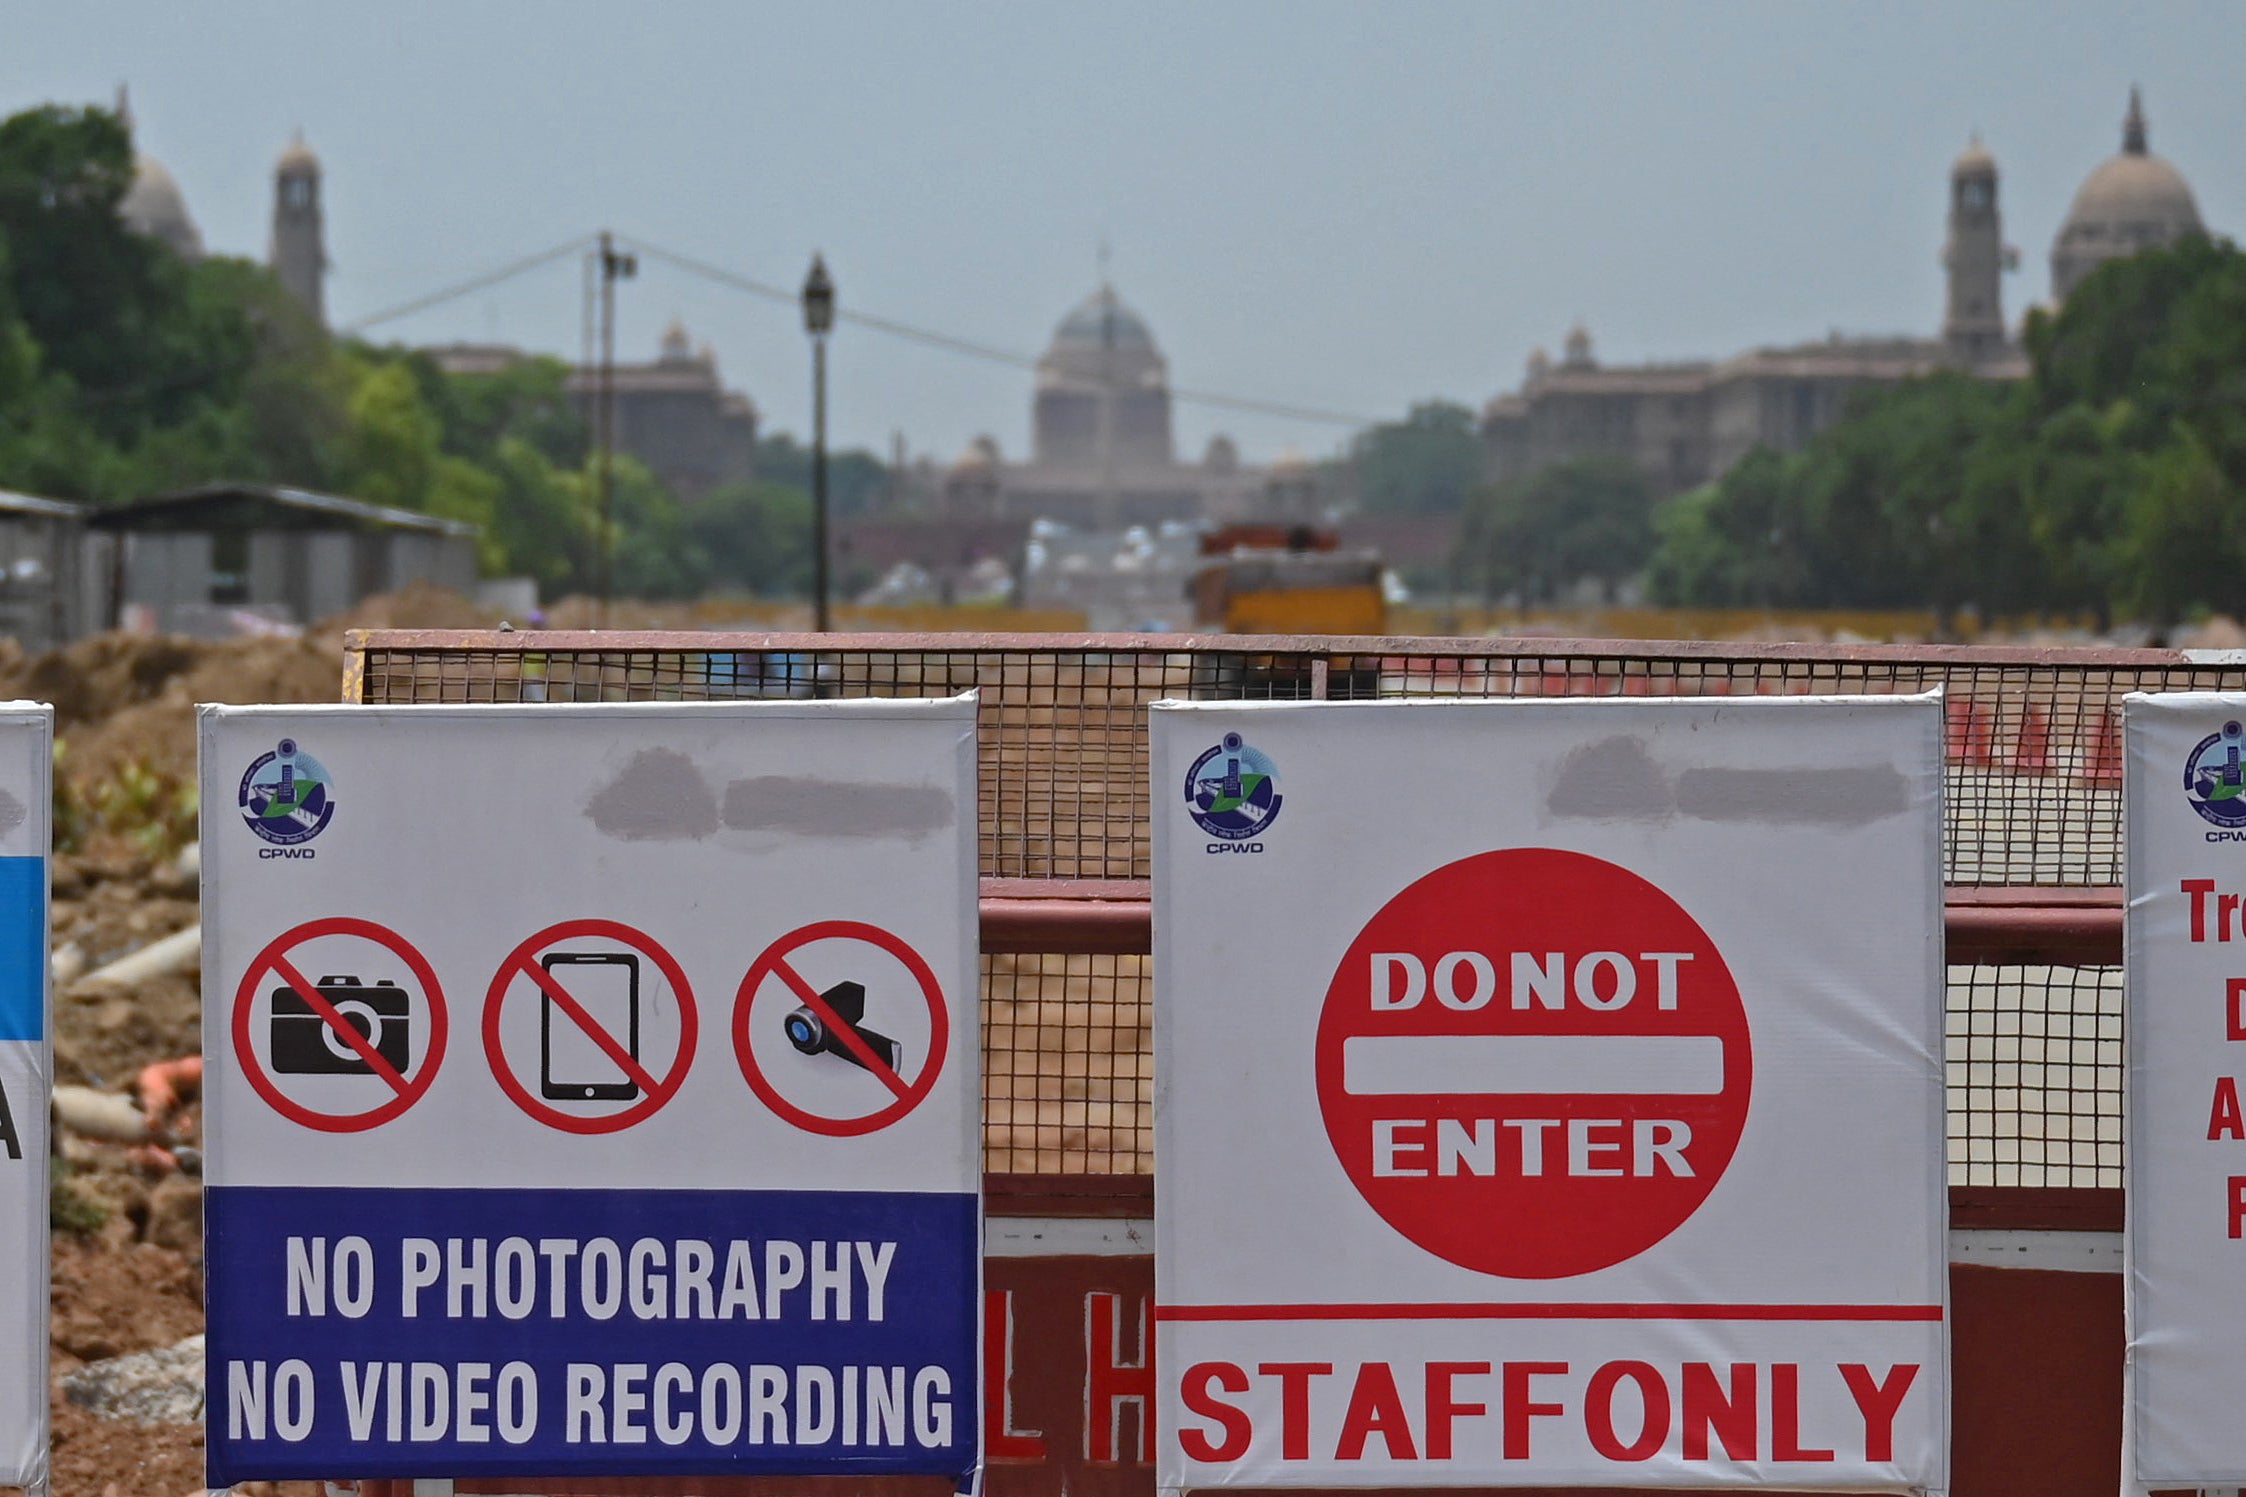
(1346, 206)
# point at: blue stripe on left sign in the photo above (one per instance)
(23, 948)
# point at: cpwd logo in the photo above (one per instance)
(2214, 780)
(1232, 793)
(287, 798)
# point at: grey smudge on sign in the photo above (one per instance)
(810, 807)
(1614, 779)
(659, 797)
(12, 813)
(1819, 797)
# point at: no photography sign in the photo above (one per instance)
(488, 1192)
(1597, 1048)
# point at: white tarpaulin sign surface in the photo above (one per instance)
(2185, 1019)
(1550, 1093)
(591, 1090)
(26, 803)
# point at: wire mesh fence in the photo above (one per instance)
(2032, 750)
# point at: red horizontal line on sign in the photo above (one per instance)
(1542, 1311)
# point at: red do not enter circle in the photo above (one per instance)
(1534, 1063)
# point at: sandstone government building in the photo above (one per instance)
(1102, 456)
(1682, 424)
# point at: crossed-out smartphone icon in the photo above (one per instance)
(572, 1066)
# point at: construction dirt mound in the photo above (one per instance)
(129, 699)
(128, 1258)
(125, 699)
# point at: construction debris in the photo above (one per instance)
(150, 1387)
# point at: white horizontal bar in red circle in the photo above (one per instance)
(1545, 1065)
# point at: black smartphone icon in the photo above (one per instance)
(572, 1066)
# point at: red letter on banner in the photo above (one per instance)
(1110, 1382)
(1375, 1407)
(1443, 1407)
(1294, 1404)
(1879, 1403)
(1598, 1411)
(1194, 1393)
(2199, 889)
(1785, 1416)
(1518, 1408)
(1000, 1439)
(2224, 1119)
(1707, 1408)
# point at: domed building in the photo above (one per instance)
(1102, 452)
(1103, 390)
(2134, 201)
(1683, 424)
(154, 205)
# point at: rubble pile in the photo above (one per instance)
(128, 1305)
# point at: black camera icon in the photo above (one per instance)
(304, 1044)
(813, 1036)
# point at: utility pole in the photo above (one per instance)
(818, 321)
(1109, 501)
(614, 266)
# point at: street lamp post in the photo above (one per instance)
(818, 320)
(614, 266)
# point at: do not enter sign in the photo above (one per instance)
(1534, 1063)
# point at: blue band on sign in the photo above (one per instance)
(23, 948)
(622, 1333)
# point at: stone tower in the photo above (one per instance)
(1973, 324)
(299, 254)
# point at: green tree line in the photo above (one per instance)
(2110, 483)
(126, 370)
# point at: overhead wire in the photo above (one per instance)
(472, 284)
(873, 322)
(968, 347)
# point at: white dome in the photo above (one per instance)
(155, 206)
(2130, 193)
(1099, 320)
(2134, 201)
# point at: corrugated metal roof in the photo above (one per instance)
(181, 510)
(31, 504)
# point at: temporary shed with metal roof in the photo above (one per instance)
(44, 571)
(227, 556)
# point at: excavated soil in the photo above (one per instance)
(125, 731)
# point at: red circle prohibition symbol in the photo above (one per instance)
(274, 960)
(773, 963)
(1534, 1063)
(654, 1091)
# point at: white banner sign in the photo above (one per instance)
(1551, 1093)
(592, 1090)
(26, 1072)
(2185, 1018)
